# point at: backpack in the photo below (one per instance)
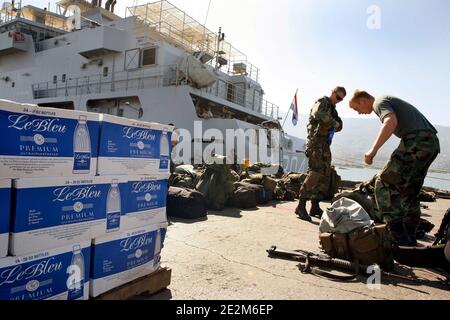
(367, 246)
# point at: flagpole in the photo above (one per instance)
(285, 119)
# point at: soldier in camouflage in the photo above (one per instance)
(398, 186)
(324, 121)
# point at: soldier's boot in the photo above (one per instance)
(316, 211)
(301, 211)
(398, 233)
(411, 226)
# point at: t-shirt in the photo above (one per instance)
(410, 119)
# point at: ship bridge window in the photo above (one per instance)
(55, 79)
(63, 79)
(148, 57)
(105, 71)
(132, 59)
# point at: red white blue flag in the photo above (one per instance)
(294, 108)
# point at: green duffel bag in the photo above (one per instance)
(216, 184)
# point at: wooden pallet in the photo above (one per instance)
(148, 285)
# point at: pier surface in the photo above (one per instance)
(224, 257)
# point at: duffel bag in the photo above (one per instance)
(260, 193)
(186, 204)
(242, 198)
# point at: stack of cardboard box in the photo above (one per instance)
(83, 200)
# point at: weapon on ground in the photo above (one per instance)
(312, 263)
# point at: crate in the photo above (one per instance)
(148, 285)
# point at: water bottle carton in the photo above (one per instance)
(120, 259)
(5, 213)
(133, 147)
(47, 142)
(53, 212)
(147, 200)
(56, 274)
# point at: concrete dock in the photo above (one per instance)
(224, 257)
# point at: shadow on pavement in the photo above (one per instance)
(164, 295)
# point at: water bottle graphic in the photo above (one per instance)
(81, 147)
(164, 150)
(157, 255)
(76, 280)
(113, 207)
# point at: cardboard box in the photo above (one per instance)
(47, 142)
(133, 147)
(54, 212)
(57, 274)
(5, 213)
(120, 259)
(147, 201)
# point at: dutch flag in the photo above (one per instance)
(294, 108)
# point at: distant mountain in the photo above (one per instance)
(358, 135)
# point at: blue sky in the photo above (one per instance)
(314, 45)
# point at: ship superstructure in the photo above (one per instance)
(157, 64)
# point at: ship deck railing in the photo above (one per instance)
(248, 99)
(154, 77)
(179, 28)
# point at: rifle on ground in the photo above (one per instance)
(314, 263)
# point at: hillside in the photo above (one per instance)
(358, 135)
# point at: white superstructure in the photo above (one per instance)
(156, 64)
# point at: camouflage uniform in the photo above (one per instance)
(398, 186)
(323, 117)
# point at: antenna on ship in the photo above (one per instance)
(219, 60)
(204, 25)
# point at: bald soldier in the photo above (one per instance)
(324, 121)
(398, 186)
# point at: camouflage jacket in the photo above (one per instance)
(322, 119)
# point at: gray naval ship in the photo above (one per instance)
(156, 64)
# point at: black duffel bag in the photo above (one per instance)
(242, 198)
(186, 204)
(262, 197)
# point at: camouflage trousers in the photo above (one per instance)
(317, 182)
(398, 186)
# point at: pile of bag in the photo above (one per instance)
(257, 168)
(185, 176)
(427, 196)
(221, 186)
(288, 187)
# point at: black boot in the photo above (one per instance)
(398, 233)
(411, 226)
(301, 211)
(315, 209)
